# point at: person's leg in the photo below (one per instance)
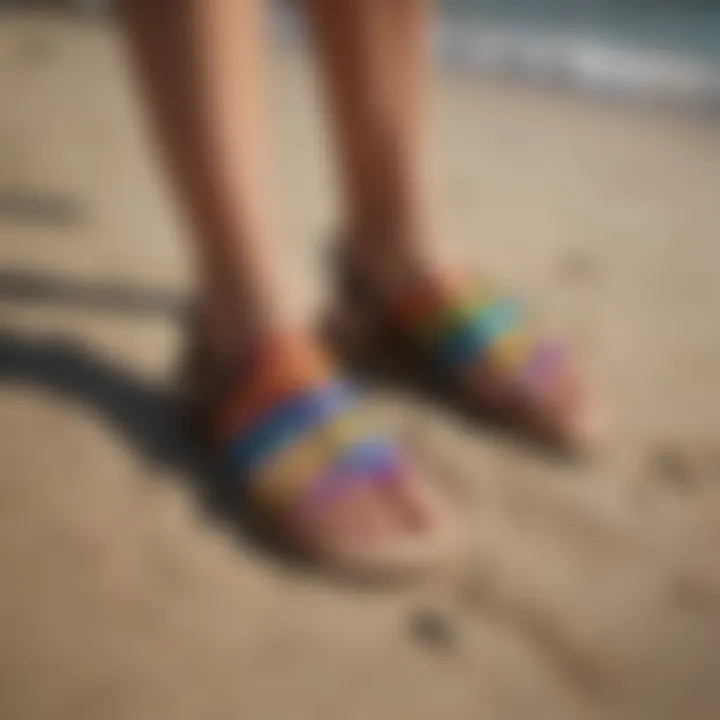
(376, 56)
(202, 70)
(374, 59)
(288, 423)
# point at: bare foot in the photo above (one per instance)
(478, 338)
(330, 484)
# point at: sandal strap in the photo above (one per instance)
(466, 323)
(320, 461)
(288, 428)
(266, 383)
(542, 362)
(284, 423)
(373, 458)
(471, 339)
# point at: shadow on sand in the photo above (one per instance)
(152, 417)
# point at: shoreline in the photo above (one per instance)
(581, 63)
(584, 61)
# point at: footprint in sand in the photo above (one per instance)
(432, 628)
(684, 466)
(484, 593)
(672, 467)
(578, 266)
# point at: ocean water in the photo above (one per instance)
(660, 49)
(685, 27)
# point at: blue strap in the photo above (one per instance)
(368, 455)
(471, 340)
(287, 421)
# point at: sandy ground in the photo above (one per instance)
(591, 591)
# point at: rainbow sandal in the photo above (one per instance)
(478, 339)
(297, 439)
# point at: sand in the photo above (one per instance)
(590, 591)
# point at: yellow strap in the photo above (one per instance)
(510, 351)
(293, 469)
(463, 308)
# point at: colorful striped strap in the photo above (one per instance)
(269, 384)
(464, 327)
(285, 422)
(314, 436)
(321, 463)
(373, 458)
(470, 340)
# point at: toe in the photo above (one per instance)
(409, 500)
(355, 512)
(372, 517)
(565, 404)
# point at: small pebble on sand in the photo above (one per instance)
(672, 465)
(578, 265)
(433, 628)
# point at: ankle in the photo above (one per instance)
(386, 258)
(228, 327)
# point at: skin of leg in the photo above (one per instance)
(374, 57)
(201, 64)
(201, 67)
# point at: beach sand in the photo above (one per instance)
(591, 590)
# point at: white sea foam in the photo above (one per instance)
(589, 62)
(581, 60)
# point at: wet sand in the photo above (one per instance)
(591, 590)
